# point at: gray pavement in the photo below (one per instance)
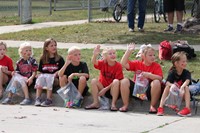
(22, 119)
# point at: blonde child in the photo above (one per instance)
(49, 65)
(6, 67)
(26, 68)
(150, 70)
(109, 79)
(178, 74)
(76, 71)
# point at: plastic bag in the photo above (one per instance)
(104, 103)
(45, 81)
(194, 88)
(140, 87)
(16, 84)
(174, 99)
(69, 94)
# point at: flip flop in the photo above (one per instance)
(113, 109)
(89, 107)
(152, 111)
(123, 109)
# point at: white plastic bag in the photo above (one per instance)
(69, 94)
(174, 99)
(45, 81)
(16, 84)
(140, 87)
(104, 103)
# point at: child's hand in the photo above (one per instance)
(97, 50)
(29, 81)
(131, 46)
(70, 77)
(69, 59)
(4, 69)
(13, 73)
(102, 92)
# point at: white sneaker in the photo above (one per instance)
(131, 30)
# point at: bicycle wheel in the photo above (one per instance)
(117, 12)
(165, 17)
(156, 12)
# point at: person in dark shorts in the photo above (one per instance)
(170, 6)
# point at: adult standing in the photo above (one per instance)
(170, 6)
(131, 8)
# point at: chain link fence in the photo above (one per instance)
(68, 10)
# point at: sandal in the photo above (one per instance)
(113, 109)
(123, 109)
(152, 111)
(90, 107)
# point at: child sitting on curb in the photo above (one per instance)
(23, 76)
(76, 71)
(50, 63)
(149, 69)
(109, 79)
(6, 67)
(179, 75)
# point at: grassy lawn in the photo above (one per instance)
(102, 33)
(87, 53)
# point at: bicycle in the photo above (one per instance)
(159, 11)
(119, 9)
(194, 8)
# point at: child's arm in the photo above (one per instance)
(151, 76)
(186, 83)
(104, 90)
(96, 52)
(124, 60)
(62, 70)
(30, 79)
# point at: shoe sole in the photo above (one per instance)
(188, 115)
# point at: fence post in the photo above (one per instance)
(89, 11)
(25, 11)
(50, 7)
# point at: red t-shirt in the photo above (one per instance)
(136, 65)
(109, 73)
(7, 61)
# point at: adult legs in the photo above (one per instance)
(142, 11)
(131, 13)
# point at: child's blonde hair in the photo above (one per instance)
(105, 51)
(146, 49)
(4, 44)
(72, 49)
(24, 45)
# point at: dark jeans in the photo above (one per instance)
(131, 9)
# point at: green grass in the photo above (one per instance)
(87, 53)
(102, 33)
